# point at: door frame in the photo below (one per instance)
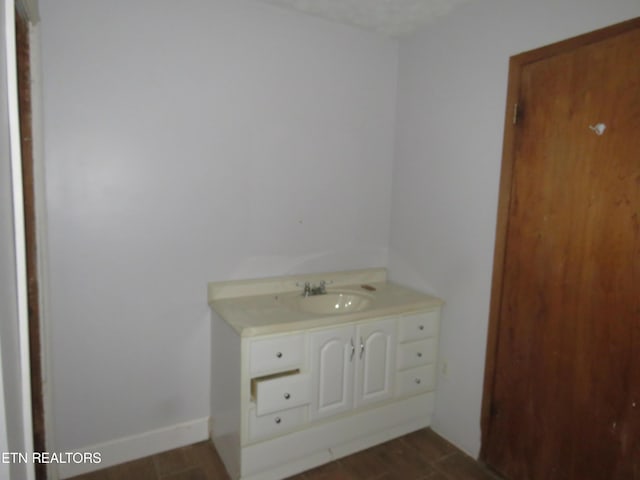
(9, 17)
(31, 254)
(31, 228)
(516, 65)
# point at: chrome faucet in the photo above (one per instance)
(311, 289)
(321, 289)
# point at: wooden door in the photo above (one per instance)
(332, 366)
(376, 361)
(562, 384)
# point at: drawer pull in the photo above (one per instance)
(418, 381)
(421, 327)
(419, 354)
(279, 354)
(278, 420)
(287, 396)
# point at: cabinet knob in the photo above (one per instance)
(278, 419)
(279, 354)
(419, 354)
(418, 381)
(421, 327)
(287, 396)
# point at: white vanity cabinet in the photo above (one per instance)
(332, 363)
(275, 354)
(309, 397)
(280, 386)
(417, 352)
(291, 391)
(375, 363)
(351, 366)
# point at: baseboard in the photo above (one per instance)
(125, 449)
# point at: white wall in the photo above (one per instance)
(188, 142)
(220, 139)
(452, 88)
(14, 411)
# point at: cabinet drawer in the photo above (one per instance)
(418, 353)
(416, 380)
(276, 354)
(281, 393)
(416, 327)
(275, 423)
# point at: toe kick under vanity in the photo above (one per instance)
(307, 369)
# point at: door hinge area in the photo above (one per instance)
(516, 112)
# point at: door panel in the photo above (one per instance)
(376, 361)
(564, 396)
(332, 357)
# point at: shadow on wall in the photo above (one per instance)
(406, 273)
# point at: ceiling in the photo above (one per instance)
(391, 17)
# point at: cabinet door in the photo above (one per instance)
(332, 355)
(376, 345)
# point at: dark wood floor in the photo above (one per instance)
(422, 455)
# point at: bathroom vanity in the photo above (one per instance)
(301, 379)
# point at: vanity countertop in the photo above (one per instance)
(263, 306)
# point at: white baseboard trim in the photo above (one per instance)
(138, 446)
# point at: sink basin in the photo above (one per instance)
(332, 303)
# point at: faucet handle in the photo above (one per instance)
(322, 286)
(307, 288)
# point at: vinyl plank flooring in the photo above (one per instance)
(421, 455)
(195, 473)
(142, 469)
(205, 456)
(429, 444)
(438, 476)
(364, 464)
(172, 461)
(460, 466)
(97, 475)
(402, 461)
(329, 471)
